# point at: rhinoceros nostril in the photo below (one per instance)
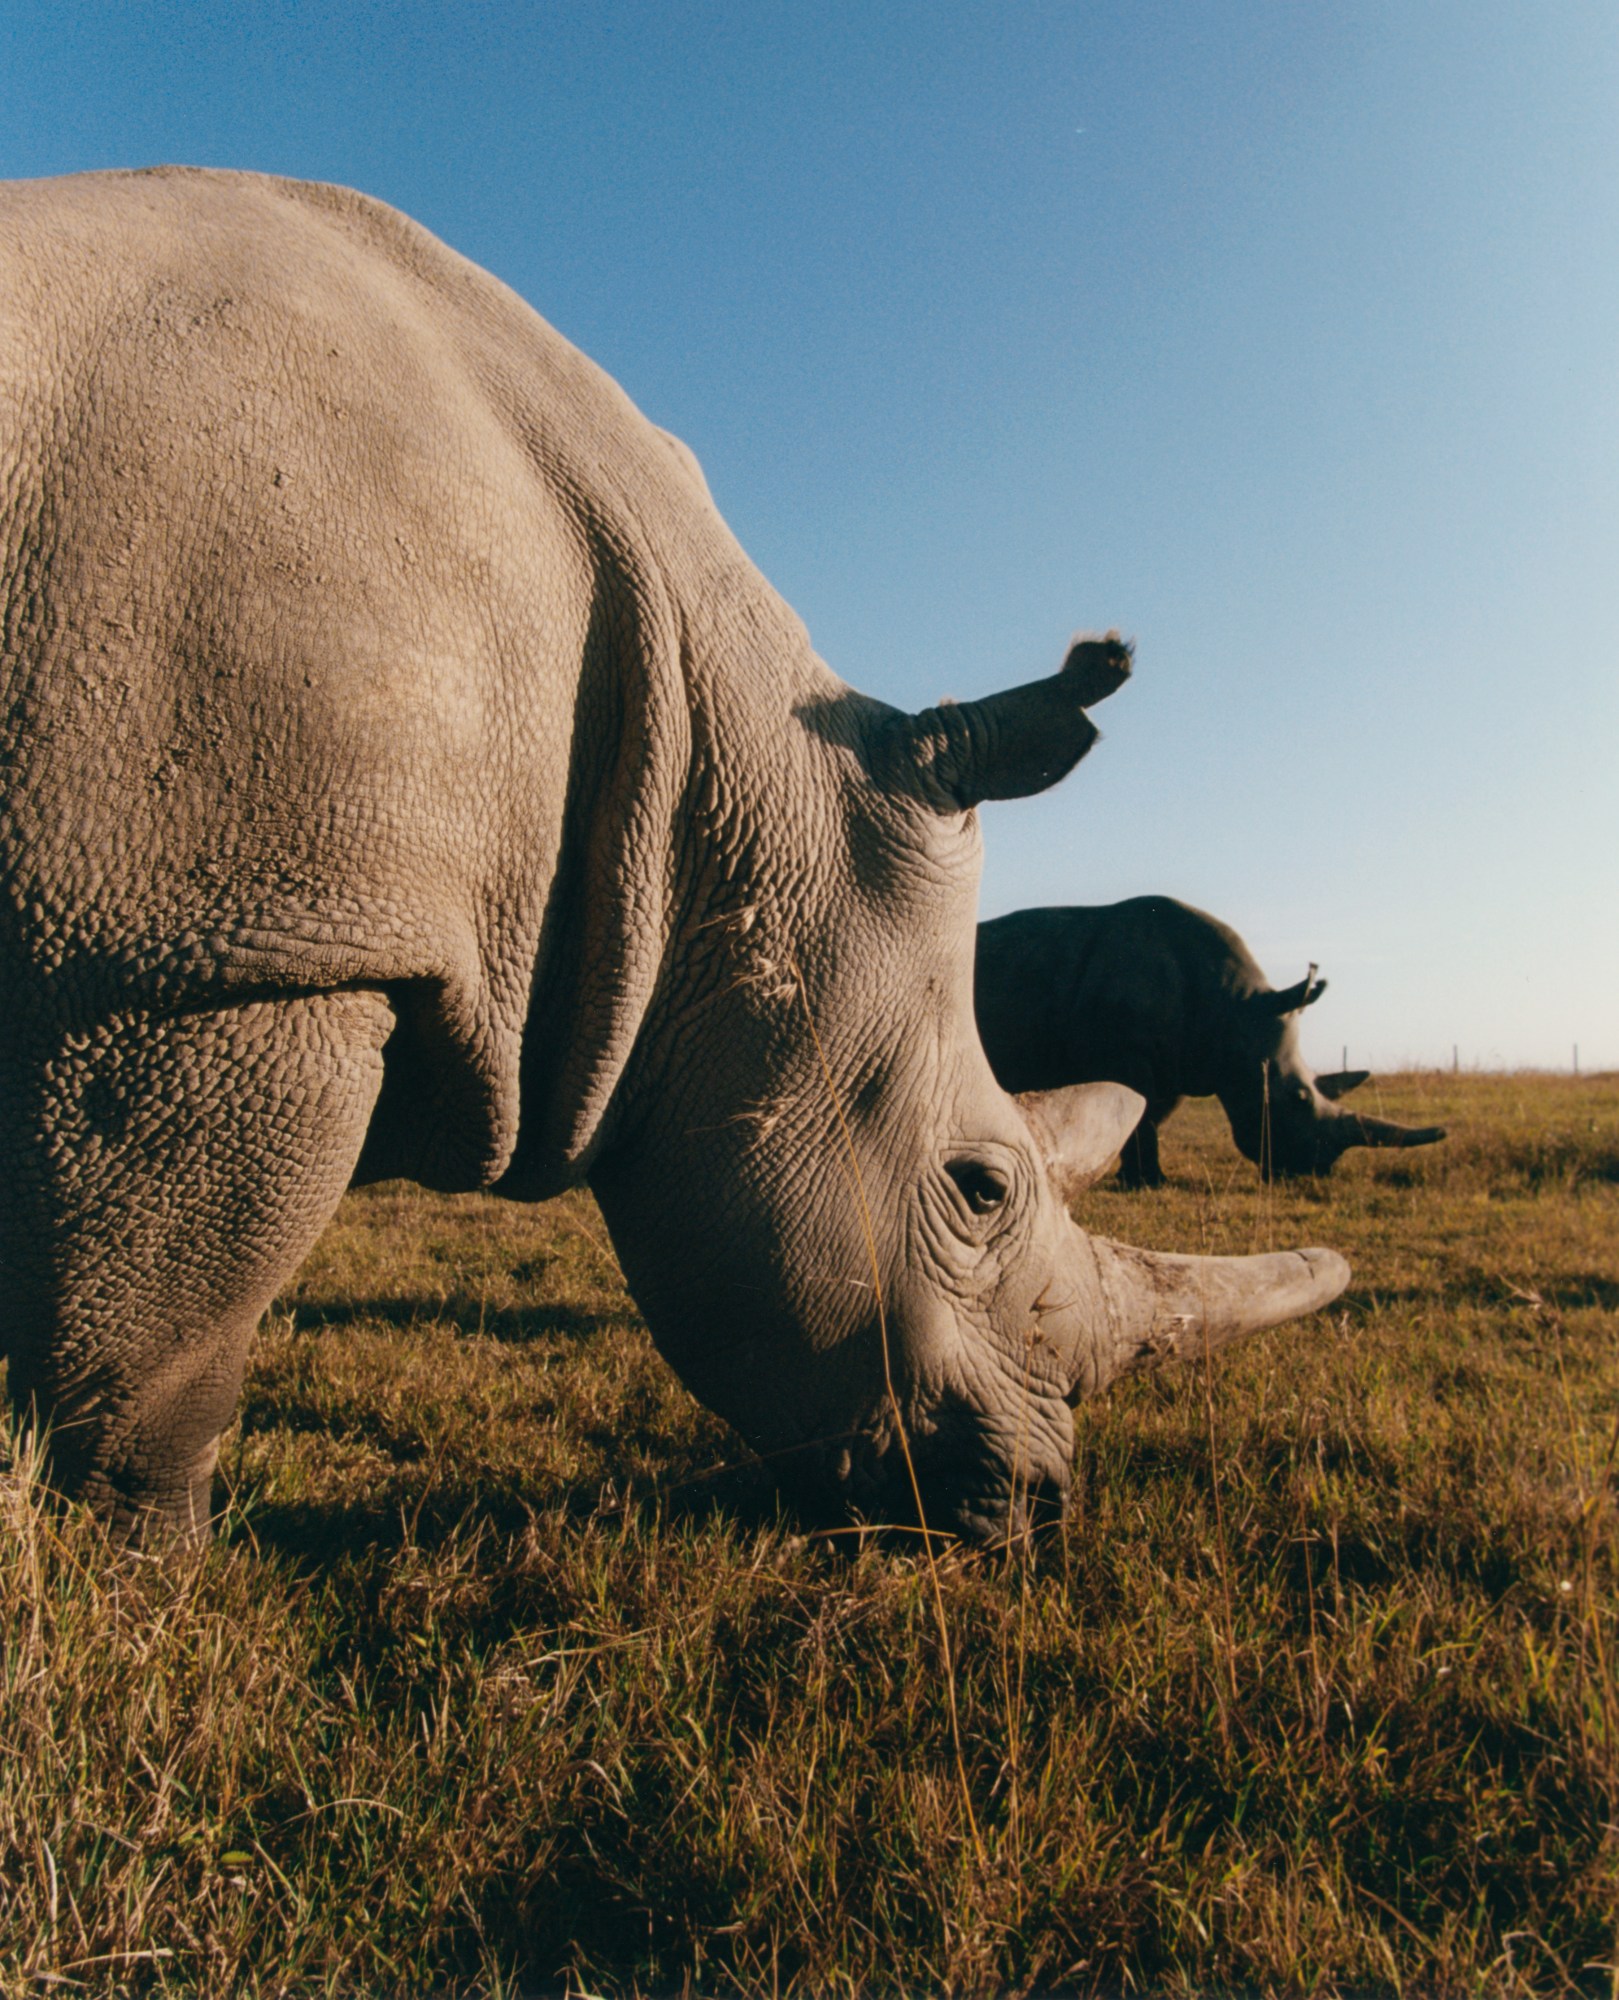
(1032, 1506)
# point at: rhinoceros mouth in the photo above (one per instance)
(954, 1473)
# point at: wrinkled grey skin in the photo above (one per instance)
(1164, 998)
(403, 772)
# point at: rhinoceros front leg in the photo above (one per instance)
(167, 1175)
(1138, 1162)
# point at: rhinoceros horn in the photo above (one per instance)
(1148, 1306)
(1081, 1129)
(1352, 1129)
(1160, 1307)
(1008, 745)
(1336, 1083)
(1291, 999)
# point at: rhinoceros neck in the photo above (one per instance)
(1232, 979)
(698, 799)
(757, 861)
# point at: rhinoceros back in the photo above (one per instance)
(309, 530)
(1132, 992)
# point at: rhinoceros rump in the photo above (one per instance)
(405, 773)
(1169, 1001)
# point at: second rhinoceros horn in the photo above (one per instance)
(1128, 1308)
(1081, 1130)
(1336, 1083)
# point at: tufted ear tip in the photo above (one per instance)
(1097, 667)
(1013, 744)
(1292, 999)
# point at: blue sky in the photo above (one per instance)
(1284, 337)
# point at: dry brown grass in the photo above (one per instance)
(505, 1674)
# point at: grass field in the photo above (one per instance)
(505, 1673)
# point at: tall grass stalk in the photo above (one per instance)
(505, 1674)
(1228, 1631)
(930, 1555)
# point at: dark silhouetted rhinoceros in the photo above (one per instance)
(1168, 1000)
(404, 772)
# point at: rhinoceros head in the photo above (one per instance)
(846, 1238)
(1284, 1116)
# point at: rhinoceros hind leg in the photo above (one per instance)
(167, 1176)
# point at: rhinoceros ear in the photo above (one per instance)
(1293, 999)
(1008, 745)
(1081, 1129)
(1338, 1083)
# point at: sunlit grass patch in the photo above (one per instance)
(505, 1670)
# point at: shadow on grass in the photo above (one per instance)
(460, 1310)
(1572, 1292)
(1363, 1302)
(427, 1515)
(1551, 1165)
(1582, 1288)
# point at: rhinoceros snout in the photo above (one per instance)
(1007, 1517)
(955, 1480)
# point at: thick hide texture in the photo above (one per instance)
(404, 772)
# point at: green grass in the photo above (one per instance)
(505, 1674)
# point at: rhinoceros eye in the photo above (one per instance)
(983, 1187)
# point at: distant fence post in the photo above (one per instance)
(1576, 1058)
(1455, 1059)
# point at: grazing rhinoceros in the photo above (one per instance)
(403, 772)
(1169, 1001)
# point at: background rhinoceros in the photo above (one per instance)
(1164, 998)
(405, 773)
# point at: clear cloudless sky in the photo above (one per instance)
(1284, 337)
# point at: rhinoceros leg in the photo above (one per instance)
(1138, 1163)
(167, 1175)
